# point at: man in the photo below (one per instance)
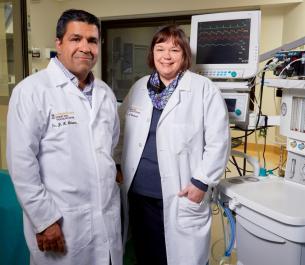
(62, 129)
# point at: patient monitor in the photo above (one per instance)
(226, 45)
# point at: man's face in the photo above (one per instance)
(78, 50)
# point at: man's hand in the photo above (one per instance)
(51, 239)
(192, 193)
(119, 177)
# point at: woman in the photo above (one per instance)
(175, 149)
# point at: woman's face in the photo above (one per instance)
(168, 60)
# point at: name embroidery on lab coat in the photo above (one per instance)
(133, 111)
(63, 119)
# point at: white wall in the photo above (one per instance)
(282, 21)
(115, 8)
(45, 13)
(43, 19)
(294, 23)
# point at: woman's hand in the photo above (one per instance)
(192, 193)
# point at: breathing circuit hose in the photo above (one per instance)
(232, 229)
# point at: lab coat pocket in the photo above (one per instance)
(191, 214)
(77, 228)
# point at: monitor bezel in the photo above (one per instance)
(244, 71)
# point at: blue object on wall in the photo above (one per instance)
(13, 248)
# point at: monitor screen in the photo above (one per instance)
(231, 104)
(225, 45)
(223, 42)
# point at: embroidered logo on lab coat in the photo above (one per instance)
(62, 119)
(133, 111)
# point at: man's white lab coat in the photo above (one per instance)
(59, 154)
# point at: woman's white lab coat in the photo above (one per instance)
(59, 158)
(193, 140)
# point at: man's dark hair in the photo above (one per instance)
(75, 15)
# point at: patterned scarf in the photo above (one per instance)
(160, 98)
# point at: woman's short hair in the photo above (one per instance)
(179, 38)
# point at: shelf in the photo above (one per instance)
(285, 83)
(235, 86)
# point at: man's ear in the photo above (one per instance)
(58, 43)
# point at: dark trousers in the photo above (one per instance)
(147, 228)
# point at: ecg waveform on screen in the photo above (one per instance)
(230, 38)
(224, 36)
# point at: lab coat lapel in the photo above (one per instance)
(174, 100)
(72, 89)
(98, 95)
(56, 75)
(59, 79)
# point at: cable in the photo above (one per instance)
(236, 142)
(224, 234)
(261, 93)
(234, 162)
(232, 229)
(240, 137)
(264, 150)
(265, 140)
(257, 149)
(224, 239)
(270, 67)
(215, 209)
(214, 257)
(248, 171)
(278, 166)
(288, 65)
(254, 102)
(271, 63)
(251, 131)
(219, 240)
